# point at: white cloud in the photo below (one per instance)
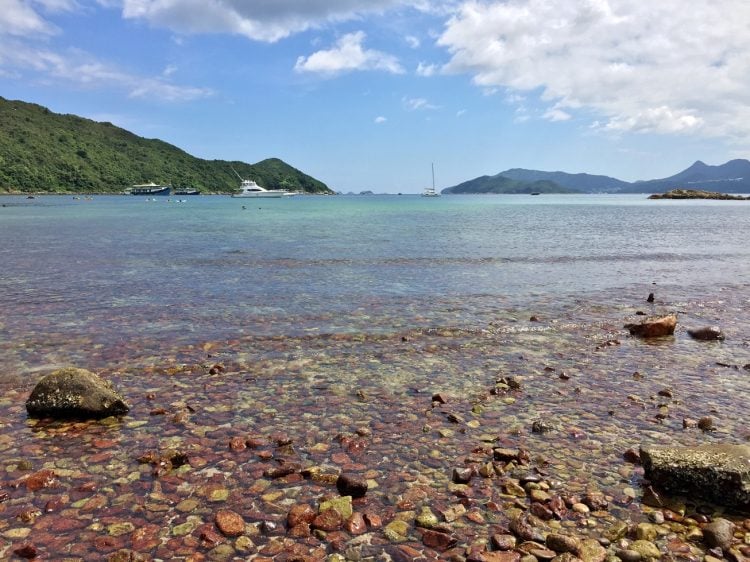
(346, 56)
(21, 17)
(460, 113)
(665, 67)
(412, 41)
(416, 104)
(85, 71)
(380, 119)
(261, 20)
(424, 69)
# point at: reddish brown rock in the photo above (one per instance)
(355, 525)
(230, 523)
(43, 479)
(300, 530)
(300, 513)
(27, 551)
(654, 327)
(438, 540)
(329, 520)
(373, 520)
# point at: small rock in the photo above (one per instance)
(709, 333)
(562, 543)
(355, 525)
(650, 297)
(503, 542)
(654, 328)
(706, 423)
(28, 551)
(75, 393)
(719, 533)
(351, 485)
(462, 475)
(230, 523)
(628, 555)
(396, 531)
(438, 540)
(646, 549)
(632, 456)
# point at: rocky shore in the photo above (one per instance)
(697, 194)
(518, 441)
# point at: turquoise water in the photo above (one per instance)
(332, 264)
(333, 321)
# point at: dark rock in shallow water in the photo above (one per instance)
(717, 473)
(709, 333)
(75, 393)
(654, 327)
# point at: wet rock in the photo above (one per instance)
(75, 393)
(719, 533)
(462, 475)
(427, 518)
(632, 456)
(628, 555)
(647, 550)
(562, 543)
(646, 532)
(438, 540)
(230, 523)
(650, 297)
(396, 531)
(591, 551)
(300, 513)
(542, 426)
(706, 423)
(708, 333)
(355, 525)
(351, 485)
(523, 527)
(718, 473)
(654, 327)
(328, 520)
(503, 542)
(440, 398)
(27, 551)
(595, 501)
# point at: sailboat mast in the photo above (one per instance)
(433, 176)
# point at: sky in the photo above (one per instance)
(366, 95)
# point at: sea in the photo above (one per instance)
(330, 320)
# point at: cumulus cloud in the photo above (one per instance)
(261, 20)
(346, 56)
(380, 119)
(425, 69)
(664, 67)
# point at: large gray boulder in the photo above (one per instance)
(75, 393)
(717, 473)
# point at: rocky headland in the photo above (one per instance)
(697, 194)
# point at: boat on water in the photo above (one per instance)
(186, 191)
(430, 191)
(150, 188)
(248, 188)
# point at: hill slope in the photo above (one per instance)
(502, 184)
(41, 151)
(587, 183)
(731, 177)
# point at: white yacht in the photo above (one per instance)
(248, 188)
(430, 191)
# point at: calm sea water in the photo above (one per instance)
(333, 321)
(344, 263)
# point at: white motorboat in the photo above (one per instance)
(248, 188)
(430, 191)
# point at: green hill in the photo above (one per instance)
(501, 184)
(41, 151)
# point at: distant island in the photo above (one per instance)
(731, 177)
(45, 152)
(697, 194)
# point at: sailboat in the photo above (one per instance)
(430, 191)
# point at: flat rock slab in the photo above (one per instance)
(75, 393)
(654, 327)
(717, 473)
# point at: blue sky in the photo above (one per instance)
(366, 95)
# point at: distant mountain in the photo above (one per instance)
(41, 151)
(578, 182)
(502, 184)
(732, 177)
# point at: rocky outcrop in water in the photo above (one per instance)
(75, 393)
(717, 473)
(697, 194)
(654, 327)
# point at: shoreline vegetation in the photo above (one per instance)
(44, 152)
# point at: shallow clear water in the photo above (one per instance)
(334, 315)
